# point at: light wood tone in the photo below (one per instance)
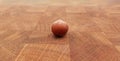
(44, 52)
(94, 33)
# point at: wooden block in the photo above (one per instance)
(6, 55)
(44, 52)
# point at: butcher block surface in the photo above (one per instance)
(94, 30)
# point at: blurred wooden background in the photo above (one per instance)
(94, 33)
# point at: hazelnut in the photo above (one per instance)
(59, 28)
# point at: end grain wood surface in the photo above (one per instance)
(94, 33)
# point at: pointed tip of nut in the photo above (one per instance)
(59, 21)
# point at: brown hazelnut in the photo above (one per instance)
(59, 28)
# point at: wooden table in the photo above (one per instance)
(94, 33)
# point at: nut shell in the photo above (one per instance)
(59, 28)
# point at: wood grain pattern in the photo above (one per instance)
(94, 33)
(44, 52)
